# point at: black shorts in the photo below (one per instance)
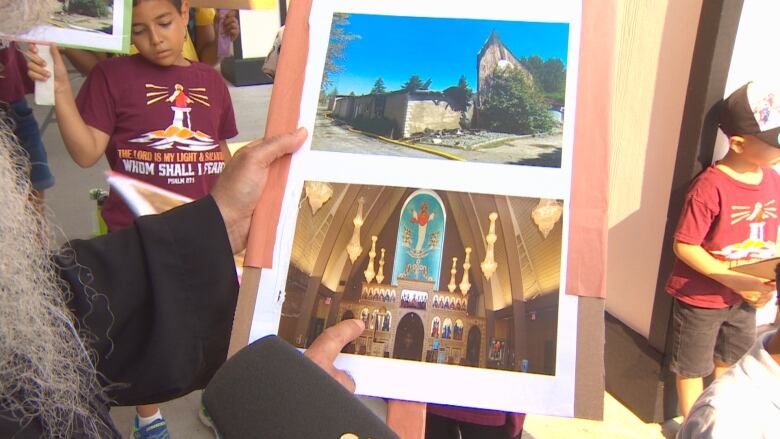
(702, 336)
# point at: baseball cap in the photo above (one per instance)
(753, 109)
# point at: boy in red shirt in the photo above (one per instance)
(156, 116)
(729, 218)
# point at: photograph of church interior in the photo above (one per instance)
(438, 276)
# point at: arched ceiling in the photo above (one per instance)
(319, 246)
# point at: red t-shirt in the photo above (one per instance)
(164, 123)
(14, 81)
(734, 221)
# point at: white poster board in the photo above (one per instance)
(96, 26)
(749, 64)
(474, 165)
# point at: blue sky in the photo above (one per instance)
(443, 49)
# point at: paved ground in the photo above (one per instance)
(73, 212)
(330, 135)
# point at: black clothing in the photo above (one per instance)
(158, 300)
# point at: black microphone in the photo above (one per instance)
(270, 390)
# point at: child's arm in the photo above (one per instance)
(84, 60)
(753, 290)
(85, 144)
(207, 36)
(223, 146)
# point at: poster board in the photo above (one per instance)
(85, 25)
(551, 181)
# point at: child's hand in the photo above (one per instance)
(754, 290)
(764, 299)
(36, 68)
(230, 27)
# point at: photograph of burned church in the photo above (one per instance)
(457, 89)
(85, 15)
(437, 276)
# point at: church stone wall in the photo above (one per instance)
(430, 114)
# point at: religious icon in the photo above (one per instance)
(180, 133)
(458, 331)
(386, 322)
(435, 327)
(447, 328)
(496, 350)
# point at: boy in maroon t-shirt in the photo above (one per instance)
(729, 218)
(157, 117)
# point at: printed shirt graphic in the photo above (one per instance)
(14, 81)
(164, 123)
(735, 222)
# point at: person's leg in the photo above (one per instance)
(149, 423)
(439, 427)
(688, 391)
(476, 431)
(694, 333)
(26, 130)
(735, 338)
(146, 411)
(720, 369)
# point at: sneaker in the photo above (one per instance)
(205, 419)
(156, 430)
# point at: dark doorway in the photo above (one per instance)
(473, 345)
(409, 338)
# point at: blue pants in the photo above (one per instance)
(26, 130)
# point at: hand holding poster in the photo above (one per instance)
(417, 158)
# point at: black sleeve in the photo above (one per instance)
(157, 301)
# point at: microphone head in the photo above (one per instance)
(270, 390)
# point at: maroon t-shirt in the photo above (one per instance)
(734, 221)
(14, 81)
(164, 123)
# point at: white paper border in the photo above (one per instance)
(79, 38)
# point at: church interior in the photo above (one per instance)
(438, 276)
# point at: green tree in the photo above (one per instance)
(464, 85)
(339, 38)
(534, 64)
(326, 97)
(549, 75)
(414, 83)
(510, 103)
(379, 87)
(460, 96)
(553, 80)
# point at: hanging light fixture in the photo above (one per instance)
(464, 284)
(380, 275)
(489, 265)
(353, 248)
(369, 272)
(452, 285)
(546, 214)
(318, 193)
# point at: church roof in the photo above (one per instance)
(493, 39)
